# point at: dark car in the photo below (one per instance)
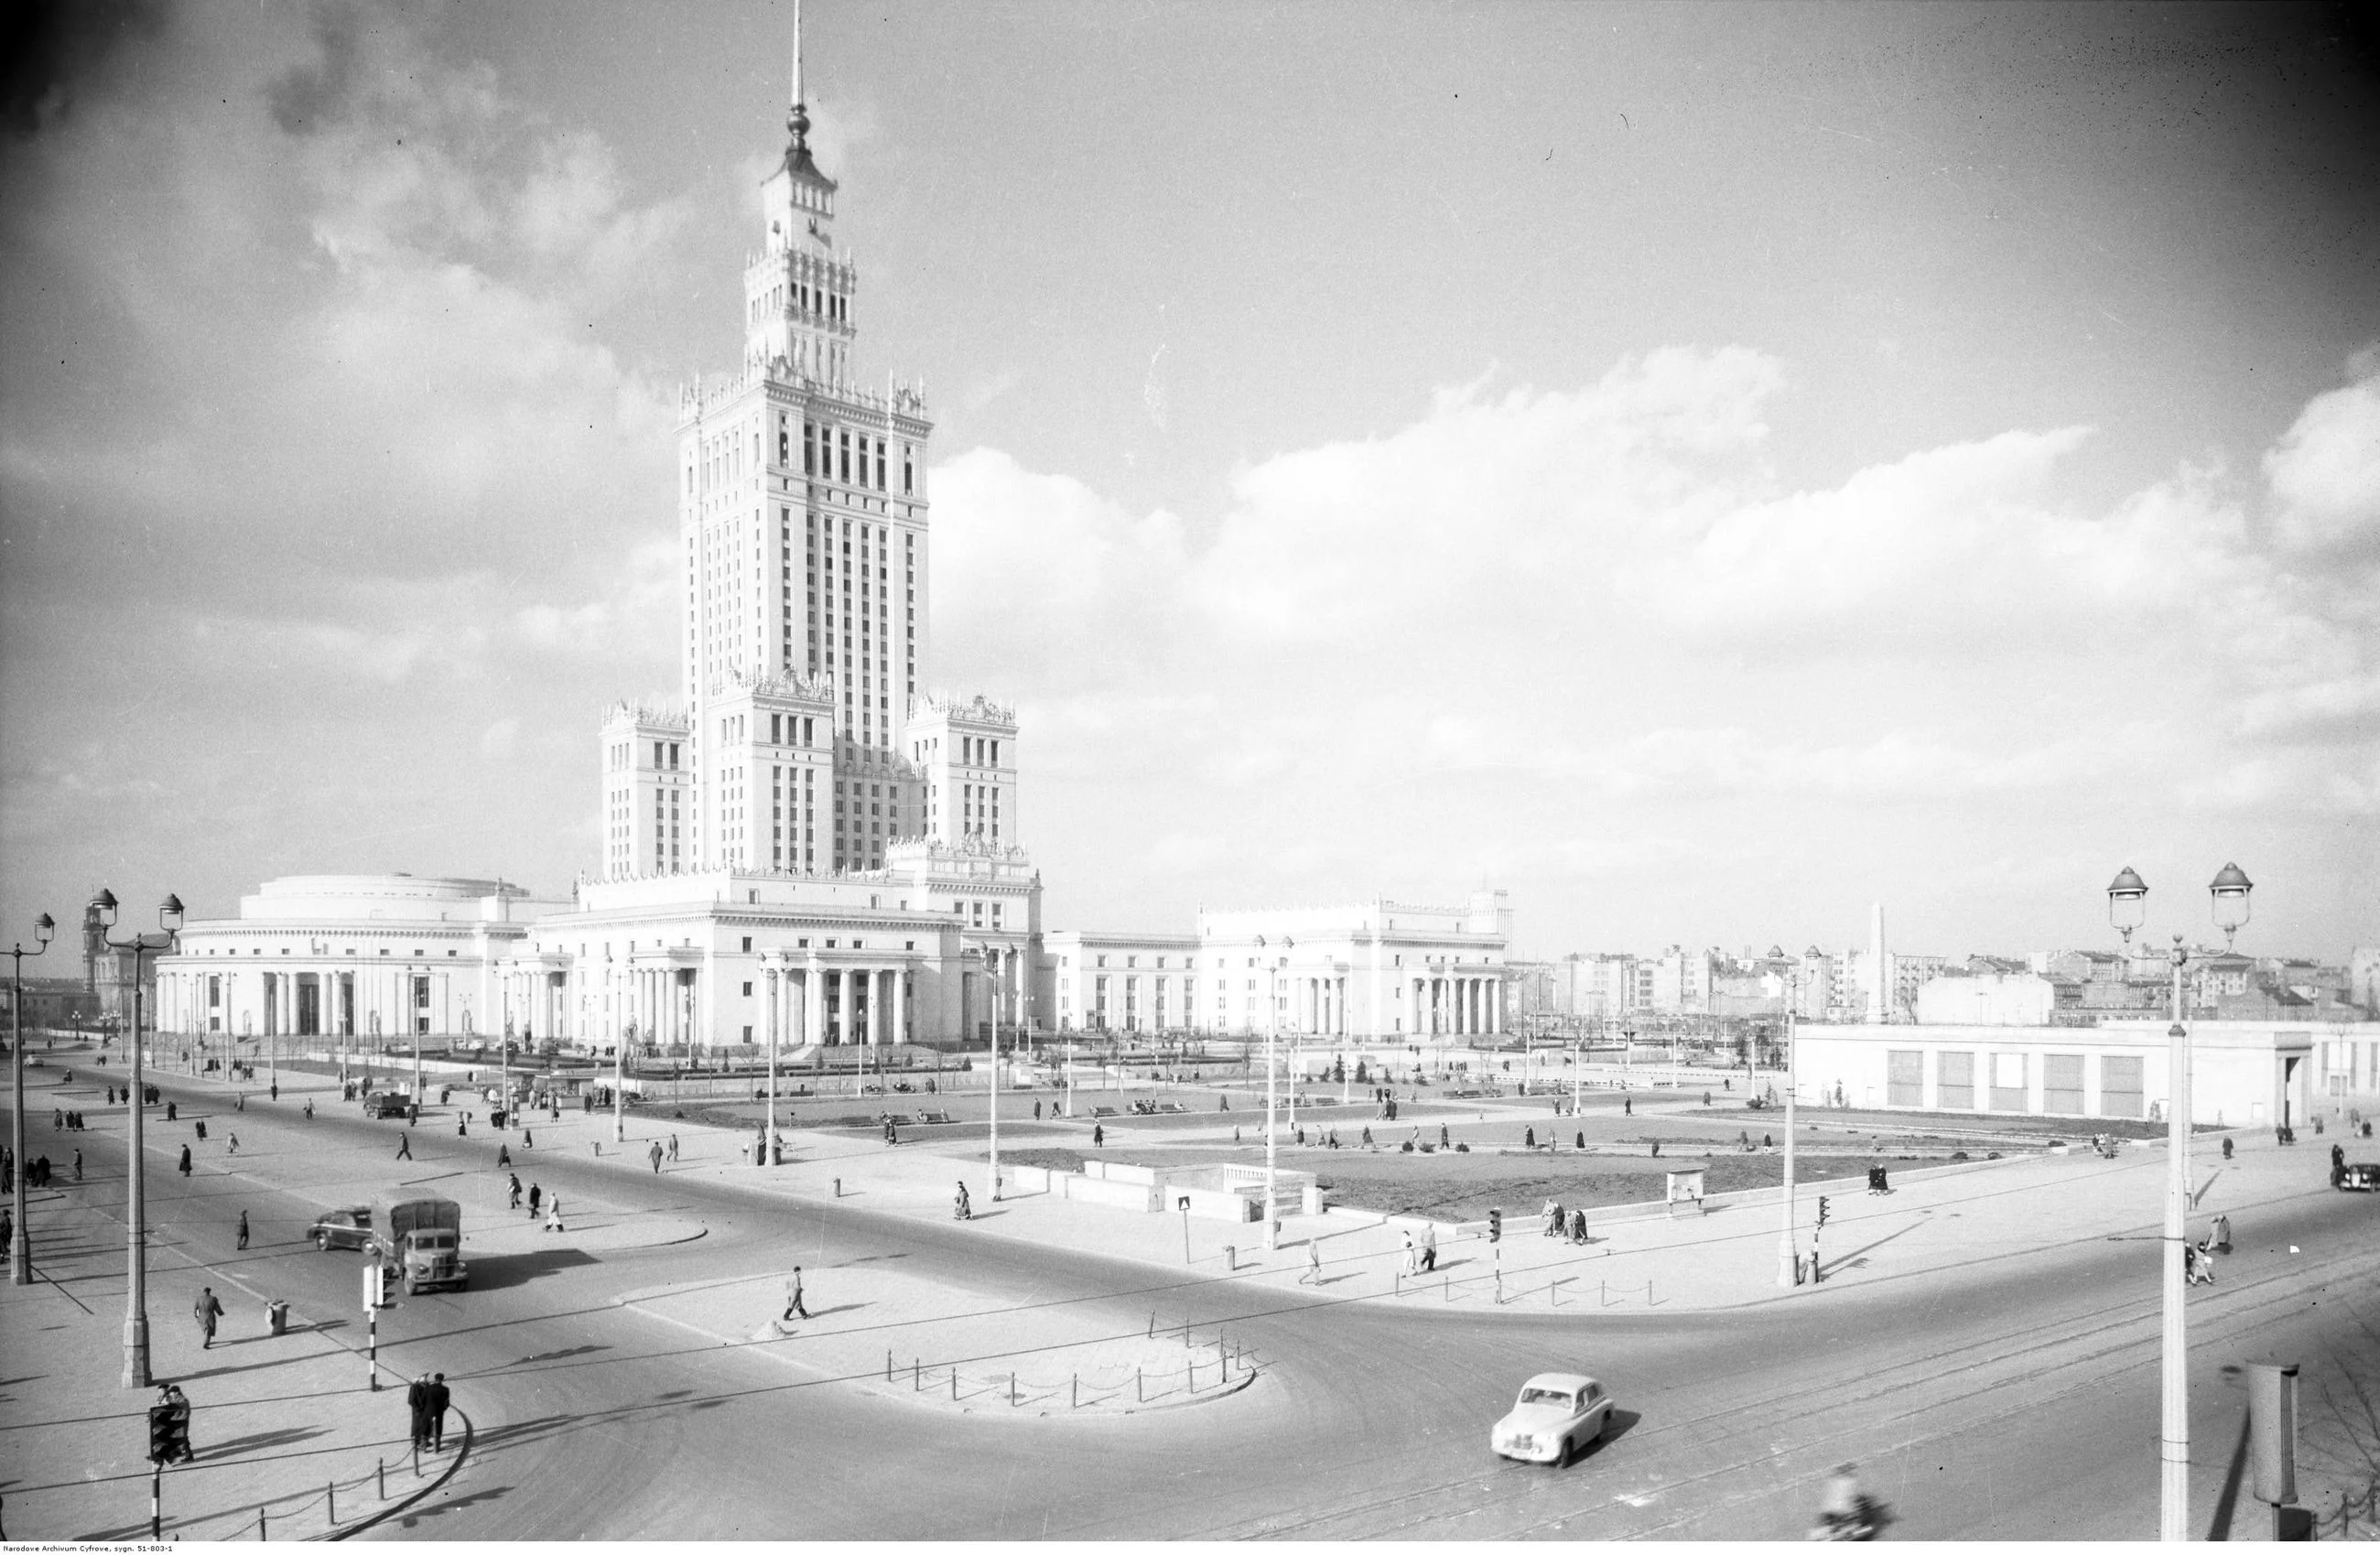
(387, 1104)
(2359, 1177)
(343, 1228)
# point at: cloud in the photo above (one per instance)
(2325, 472)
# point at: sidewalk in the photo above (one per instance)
(290, 1441)
(1642, 1258)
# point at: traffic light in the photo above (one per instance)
(1495, 1225)
(169, 1434)
(1822, 1211)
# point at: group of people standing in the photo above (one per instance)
(429, 1400)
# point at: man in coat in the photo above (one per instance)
(416, 1405)
(206, 1310)
(434, 1405)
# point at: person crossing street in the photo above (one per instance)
(404, 1146)
(206, 1311)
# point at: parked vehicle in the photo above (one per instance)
(343, 1228)
(1557, 1413)
(421, 1240)
(387, 1104)
(2359, 1177)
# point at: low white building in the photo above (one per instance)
(1379, 969)
(2243, 1074)
(357, 956)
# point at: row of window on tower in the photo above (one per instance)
(853, 458)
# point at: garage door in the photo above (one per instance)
(1954, 1080)
(1905, 1077)
(2120, 1088)
(2061, 1084)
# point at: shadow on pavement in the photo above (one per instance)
(497, 1271)
(458, 1503)
(257, 1442)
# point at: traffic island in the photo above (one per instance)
(941, 1347)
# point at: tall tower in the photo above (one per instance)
(802, 517)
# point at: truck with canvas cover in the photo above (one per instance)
(421, 1240)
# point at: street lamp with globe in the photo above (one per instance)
(136, 1227)
(20, 1239)
(2127, 910)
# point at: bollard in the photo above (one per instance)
(1603, 1293)
(1152, 1325)
(331, 1494)
(1074, 1396)
(156, 1477)
(888, 1366)
(416, 1460)
(260, 1527)
(1191, 1376)
(954, 1384)
(1648, 1293)
(838, 1187)
(1139, 1392)
(380, 1474)
(917, 1374)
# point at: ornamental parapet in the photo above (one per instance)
(707, 396)
(978, 708)
(645, 716)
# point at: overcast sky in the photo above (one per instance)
(1701, 469)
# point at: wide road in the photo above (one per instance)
(2018, 1401)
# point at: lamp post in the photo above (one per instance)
(1789, 1261)
(2127, 908)
(136, 1226)
(769, 1128)
(20, 1242)
(620, 1084)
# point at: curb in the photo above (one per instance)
(409, 1502)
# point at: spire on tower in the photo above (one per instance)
(798, 121)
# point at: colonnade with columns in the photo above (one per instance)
(662, 1003)
(287, 1001)
(1453, 1005)
(808, 1002)
(1319, 1004)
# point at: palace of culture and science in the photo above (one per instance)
(817, 847)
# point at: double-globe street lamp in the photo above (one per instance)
(136, 1223)
(2127, 908)
(20, 1239)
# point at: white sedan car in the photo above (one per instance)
(1557, 1413)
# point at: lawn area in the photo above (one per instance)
(1447, 1185)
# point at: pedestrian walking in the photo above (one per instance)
(172, 1397)
(416, 1405)
(235, 1143)
(1313, 1261)
(1413, 1256)
(206, 1310)
(793, 1307)
(554, 1213)
(169, 1106)
(528, 1140)
(7, 1227)
(78, 1166)
(515, 1202)
(535, 1194)
(656, 1153)
(1100, 1134)
(201, 1127)
(1627, 1106)
(243, 1231)
(57, 1119)
(404, 1146)
(184, 1166)
(435, 1405)
(463, 1127)
(276, 1091)
(673, 1149)
(310, 1109)
(1429, 1247)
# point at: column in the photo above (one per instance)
(814, 1004)
(839, 1018)
(875, 1026)
(900, 1006)
(1496, 1007)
